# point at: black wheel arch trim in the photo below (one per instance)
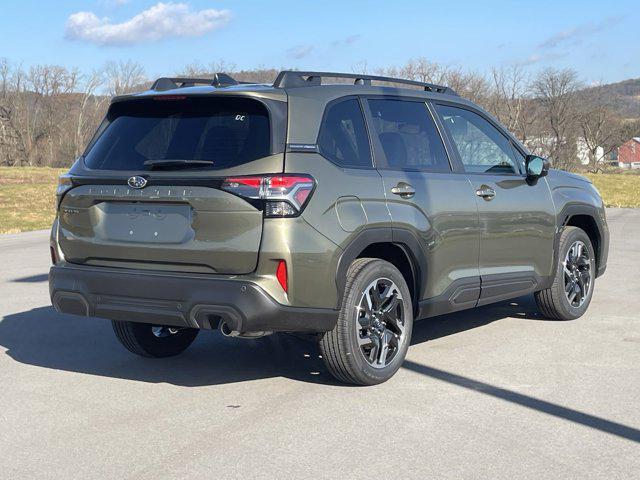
(562, 220)
(405, 239)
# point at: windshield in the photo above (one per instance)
(216, 133)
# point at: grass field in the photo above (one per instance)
(27, 195)
(618, 190)
(27, 198)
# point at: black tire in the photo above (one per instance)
(139, 338)
(553, 302)
(344, 357)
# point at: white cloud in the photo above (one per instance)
(541, 58)
(116, 3)
(300, 51)
(163, 20)
(350, 40)
(578, 33)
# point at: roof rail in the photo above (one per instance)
(169, 83)
(294, 78)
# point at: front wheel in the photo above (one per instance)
(150, 340)
(370, 340)
(570, 294)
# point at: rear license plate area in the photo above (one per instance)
(143, 222)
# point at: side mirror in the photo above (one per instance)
(536, 167)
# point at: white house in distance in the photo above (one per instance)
(542, 146)
(583, 152)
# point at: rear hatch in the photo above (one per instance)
(147, 192)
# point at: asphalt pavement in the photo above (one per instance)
(498, 392)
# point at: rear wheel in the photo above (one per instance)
(570, 294)
(372, 335)
(150, 340)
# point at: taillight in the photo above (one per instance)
(64, 184)
(284, 195)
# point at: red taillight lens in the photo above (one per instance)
(254, 182)
(288, 181)
(281, 274)
(285, 195)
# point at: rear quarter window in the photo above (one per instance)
(226, 131)
(343, 136)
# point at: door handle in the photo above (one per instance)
(404, 190)
(486, 192)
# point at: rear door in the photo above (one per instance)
(428, 200)
(517, 219)
(179, 219)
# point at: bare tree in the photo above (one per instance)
(256, 75)
(469, 84)
(509, 100)
(600, 130)
(124, 77)
(555, 90)
(52, 87)
(48, 112)
(423, 70)
(197, 69)
(89, 102)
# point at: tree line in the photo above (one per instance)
(48, 113)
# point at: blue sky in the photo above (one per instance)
(601, 40)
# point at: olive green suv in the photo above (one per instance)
(345, 210)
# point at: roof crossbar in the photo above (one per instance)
(170, 83)
(293, 78)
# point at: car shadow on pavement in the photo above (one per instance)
(33, 278)
(45, 338)
(452, 323)
(49, 339)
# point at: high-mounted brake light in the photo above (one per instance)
(168, 98)
(284, 195)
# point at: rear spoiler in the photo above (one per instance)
(171, 83)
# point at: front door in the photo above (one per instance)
(427, 201)
(517, 219)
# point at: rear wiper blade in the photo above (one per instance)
(177, 163)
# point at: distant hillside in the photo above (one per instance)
(625, 97)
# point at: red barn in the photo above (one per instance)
(629, 154)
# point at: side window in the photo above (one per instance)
(482, 148)
(408, 136)
(519, 157)
(343, 136)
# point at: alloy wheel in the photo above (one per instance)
(380, 322)
(161, 331)
(578, 276)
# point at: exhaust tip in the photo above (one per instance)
(226, 330)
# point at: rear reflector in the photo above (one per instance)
(54, 259)
(281, 274)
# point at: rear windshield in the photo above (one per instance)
(225, 131)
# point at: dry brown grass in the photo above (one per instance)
(27, 195)
(27, 198)
(618, 190)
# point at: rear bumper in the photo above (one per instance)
(198, 301)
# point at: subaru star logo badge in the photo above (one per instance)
(137, 182)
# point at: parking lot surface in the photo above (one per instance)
(497, 392)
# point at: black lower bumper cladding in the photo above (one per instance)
(197, 301)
